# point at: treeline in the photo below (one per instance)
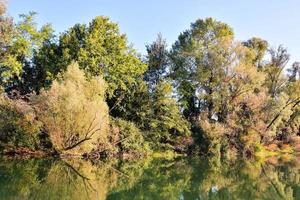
(86, 91)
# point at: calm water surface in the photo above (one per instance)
(155, 179)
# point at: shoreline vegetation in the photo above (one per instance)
(87, 93)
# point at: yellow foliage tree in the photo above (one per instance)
(74, 111)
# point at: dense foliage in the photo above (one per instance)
(127, 137)
(237, 100)
(18, 125)
(87, 90)
(74, 112)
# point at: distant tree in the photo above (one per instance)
(157, 60)
(259, 47)
(274, 69)
(294, 72)
(167, 126)
(195, 68)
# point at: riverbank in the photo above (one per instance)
(270, 152)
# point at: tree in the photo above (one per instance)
(224, 85)
(157, 60)
(107, 53)
(274, 69)
(259, 47)
(238, 98)
(292, 123)
(135, 106)
(8, 60)
(167, 126)
(294, 72)
(19, 43)
(281, 102)
(100, 49)
(191, 57)
(73, 112)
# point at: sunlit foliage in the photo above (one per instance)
(74, 111)
(18, 125)
(208, 93)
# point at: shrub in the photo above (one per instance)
(74, 111)
(213, 133)
(18, 124)
(129, 137)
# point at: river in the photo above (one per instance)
(178, 179)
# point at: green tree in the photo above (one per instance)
(8, 60)
(167, 126)
(259, 47)
(276, 81)
(100, 49)
(136, 104)
(224, 84)
(164, 125)
(157, 60)
(129, 137)
(195, 68)
(19, 43)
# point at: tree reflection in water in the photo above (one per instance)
(148, 179)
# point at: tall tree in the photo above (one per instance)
(223, 83)
(19, 42)
(157, 60)
(191, 56)
(259, 47)
(167, 125)
(8, 59)
(100, 49)
(276, 80)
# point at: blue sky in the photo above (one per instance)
(277, 21)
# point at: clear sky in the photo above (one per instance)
(277, 21)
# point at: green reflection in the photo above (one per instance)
(148, 179)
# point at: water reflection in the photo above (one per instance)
(148, 179)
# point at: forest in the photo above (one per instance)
(87, 92)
